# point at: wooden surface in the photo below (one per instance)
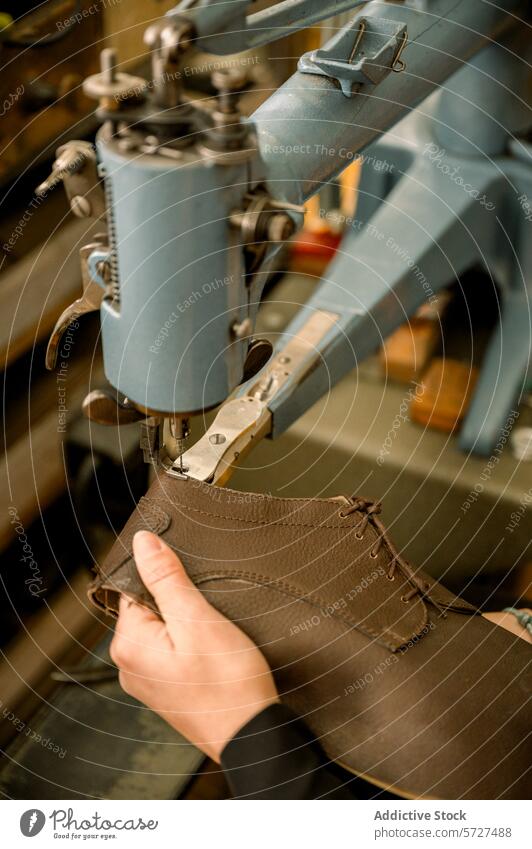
(407, 352)
(49, 80)
(445, 395)
(36, 289)
(32, 471)
(124, 25)
(66, 622)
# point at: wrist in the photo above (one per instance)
(236, 727)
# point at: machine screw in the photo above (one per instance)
(242, 329)
(265, 387)
(217, 438)
(228, 82)
(111, 87)
(80, 206)
(228, 133)
(108, 65)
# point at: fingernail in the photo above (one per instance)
(146, 543)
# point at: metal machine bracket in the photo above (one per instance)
(222, 28)
(364, 52)
(95, 289)
(75, 167)
(242, 421)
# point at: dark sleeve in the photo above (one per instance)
(274, 756)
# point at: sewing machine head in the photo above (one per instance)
(195, 197)
(188, 225)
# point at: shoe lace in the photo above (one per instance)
(371, 510)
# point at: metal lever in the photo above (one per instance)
(75, 167)
(90, 300)
(70, 158)
(109, 407)
(223, 27)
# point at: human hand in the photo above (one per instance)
(193, 667)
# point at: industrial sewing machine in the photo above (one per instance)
(196, 202)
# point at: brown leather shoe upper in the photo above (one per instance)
(400, 680)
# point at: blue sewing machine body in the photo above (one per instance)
(174, 305)
(195, 203)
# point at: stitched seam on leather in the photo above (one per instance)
(288, 525)
(314, 601)
(265, 499)
(152, 505)
(187, 507)
(280, 523)
(275, 521)
(163, 520)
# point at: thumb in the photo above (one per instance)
(163, 574)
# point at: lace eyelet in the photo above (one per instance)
(391, 577)
(359, 536)
(342, 514)
(405, 600)
(373, 556)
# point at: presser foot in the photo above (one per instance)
(243, 420)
